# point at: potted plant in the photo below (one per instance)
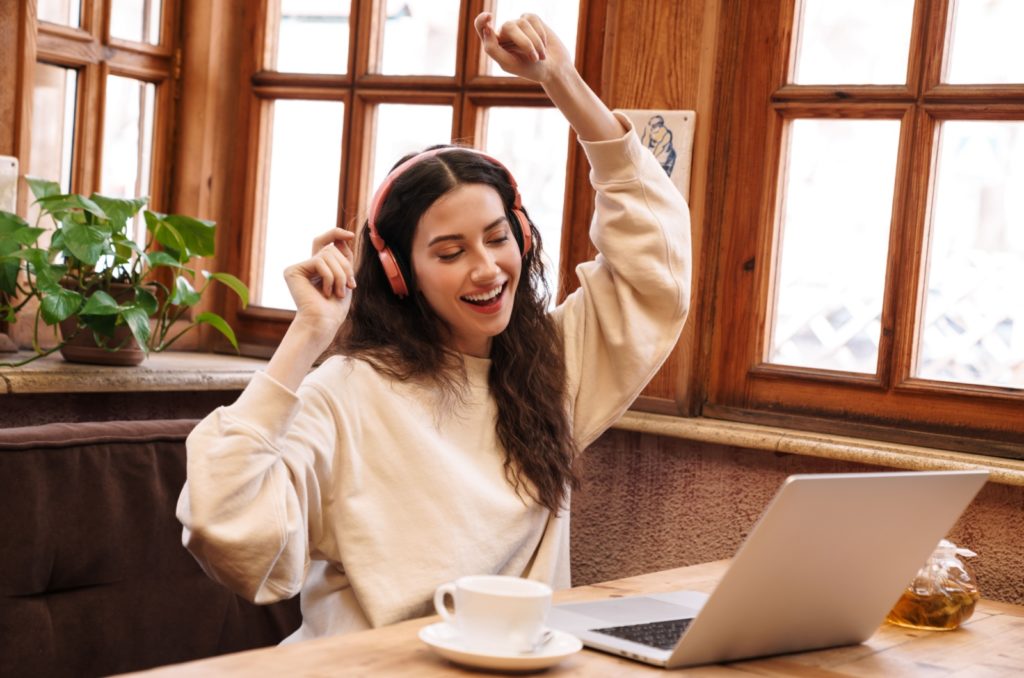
(99, 285)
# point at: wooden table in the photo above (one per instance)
(991, 643)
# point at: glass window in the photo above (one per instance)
(534, 144)
(985, 45)
(836, 213)
(974, 306)
(53, 124)
(66, 12)
(136, 20)
(128, 141)
(313, 36)
(302, 200)
(562, 17)
(404, 129)
(420, 37)
(855, 43)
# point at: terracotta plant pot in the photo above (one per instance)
(83, 349)
(122, 349)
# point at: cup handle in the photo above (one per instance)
(442, 609)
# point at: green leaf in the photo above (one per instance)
(86, 243)
(119, 210)
(219, 324)
(9, 267)
(147, 301)
(41, 188)
(58, 205)
(100, 303)
(47, 275)
(161, 258)
(10, 223)
(169, 237)
(234, 283)
(102, 326)
(198, 234)
(184, 293)
(59, 304)
(15, 232)
(138, 322)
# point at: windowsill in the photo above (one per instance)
(169, 371)
(187, 371)
(828, 446)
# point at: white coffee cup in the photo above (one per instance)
(495, 613)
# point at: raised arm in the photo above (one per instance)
(528, 48)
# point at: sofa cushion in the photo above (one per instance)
(94, 579)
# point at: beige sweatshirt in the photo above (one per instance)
(363, 494)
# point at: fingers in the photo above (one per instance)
(335, 235)
(340, 276)
(528, 28)
(329, 271)
(522, 39)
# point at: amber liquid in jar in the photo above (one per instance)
(936, 612)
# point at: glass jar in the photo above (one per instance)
(942, 595)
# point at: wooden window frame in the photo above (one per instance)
(91, 51)
(469, 91)
(94, 54)
(754, 103)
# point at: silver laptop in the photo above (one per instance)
(823, 566)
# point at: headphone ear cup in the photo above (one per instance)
(393, 272)
(524, 229)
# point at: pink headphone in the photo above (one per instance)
(387, 258)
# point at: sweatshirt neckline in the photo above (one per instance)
(477, 370)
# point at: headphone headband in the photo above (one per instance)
(387, 257)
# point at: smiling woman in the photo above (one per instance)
(469, 265)
(441, 442)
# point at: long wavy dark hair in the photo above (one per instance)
(405, 339)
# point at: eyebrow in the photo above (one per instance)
(458, 236)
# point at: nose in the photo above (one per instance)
(485, 267)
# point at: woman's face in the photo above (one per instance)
(467, 265)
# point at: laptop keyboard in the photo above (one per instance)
(663, 635)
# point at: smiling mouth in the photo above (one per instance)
(485, 299)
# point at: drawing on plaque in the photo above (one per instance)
(669, 136)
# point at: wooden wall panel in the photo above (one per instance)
(10, 20)
(662, 55)
(209, 151)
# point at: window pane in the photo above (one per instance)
(420, 37)
(404, 129)
(66, 12)
(986, 45)
(974, 310)
(562, 17)
(533, 143)
(128, 142)
(302, 201)
(313, 36)
(136, 20)
(853, 43)
(835, 233)
(53, 124)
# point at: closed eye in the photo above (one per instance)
(449, 256)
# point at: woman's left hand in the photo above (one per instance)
(525, 47)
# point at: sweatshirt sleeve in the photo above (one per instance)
(251, 504)
(622, 323)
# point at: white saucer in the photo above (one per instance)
(443, 638)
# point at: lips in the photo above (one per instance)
(488, 301)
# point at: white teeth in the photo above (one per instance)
(484, 297)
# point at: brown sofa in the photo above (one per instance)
(93, 577)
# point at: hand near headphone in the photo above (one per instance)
(525, 47)
(321, 285)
